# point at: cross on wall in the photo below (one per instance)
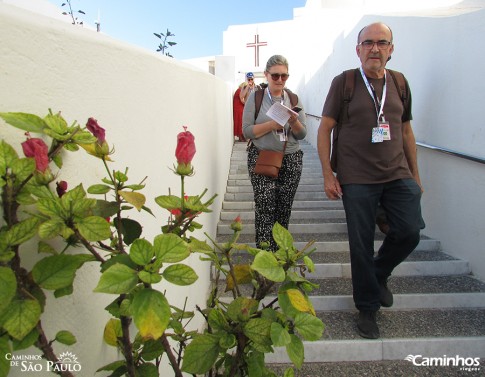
(256, 44)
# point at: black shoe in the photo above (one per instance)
(385, 295)
(367, 325)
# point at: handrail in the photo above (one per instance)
(469, 157)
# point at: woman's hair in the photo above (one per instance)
(276, 60)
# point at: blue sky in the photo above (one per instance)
(197, 24)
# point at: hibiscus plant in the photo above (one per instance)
(95, 227)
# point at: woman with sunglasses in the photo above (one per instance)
(273, 197)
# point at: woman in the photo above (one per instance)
(237, 112)
(273, 197)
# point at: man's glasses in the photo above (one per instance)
(381, 45)
(250, 79)
(276, 76)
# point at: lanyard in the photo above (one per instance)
(379, 105)
(285, 131)
(271, 98)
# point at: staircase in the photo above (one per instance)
(439, 307)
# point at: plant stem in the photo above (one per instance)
(127, 346)
(43, 344)
(171, 356)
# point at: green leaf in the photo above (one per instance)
(23, 168)
(309, 326)
(170, 248)
(217, 321)
(201, 354)
(168, 201)
(8, 287)
(98, 189)
(57, 159)
(44, 247)
(65, 337)
(28, 341)
(282, 237)
(105, 209)
(151, 313)
(84, 137)
(80, 207)
(117, 279)
(4, 350)
(56, 123)
(149, 277)
(180, 274)
(259, 330)
(296, 351)
(141, 252)
(227, 341)
(51, 228)
(21, 317)
(7, 156)
(130, 229)
(147, 370)
(118, 367)
(76, 193)
(112, 331)
(309, 263)
(266, 264)
(52, 208)
(242, 308)
(279, 335)
(23, 231)
(255, 362)
(152, 349)
(134, 198)
(58, 271)
(289, 372)
(94, 228)
(24, 121)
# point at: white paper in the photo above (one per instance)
(280, 113)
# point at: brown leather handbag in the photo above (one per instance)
(269, 162)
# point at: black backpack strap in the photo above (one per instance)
(401, 86)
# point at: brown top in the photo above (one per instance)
(359, 160)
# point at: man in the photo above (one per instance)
(376, 165)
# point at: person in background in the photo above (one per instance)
(248, 87)
(237, 112)
(376, 163)
(273, 197)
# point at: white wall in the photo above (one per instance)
(440, 55)
(142, 99)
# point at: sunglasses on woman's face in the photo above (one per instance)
(250, 79)
(276, 76)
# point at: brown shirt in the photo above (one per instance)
(359, 160)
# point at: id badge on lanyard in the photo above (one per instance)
(382, 132)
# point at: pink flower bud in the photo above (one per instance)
(36, 148)
(97, 131)
(185, 147)
(61, 188)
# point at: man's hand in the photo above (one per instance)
(332, 187)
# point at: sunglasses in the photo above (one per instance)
(276, 76)
(250, 79)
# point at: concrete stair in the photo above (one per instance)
(439, 307)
